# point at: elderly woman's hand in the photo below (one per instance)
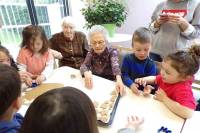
(120, 88)
(88, 79)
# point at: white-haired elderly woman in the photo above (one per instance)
(101, 60)
(72, 44)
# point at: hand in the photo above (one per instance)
(160, 95)
(140, 81)
(120, 88)
(39, 79)
(28, 81)
(147, 89)
(161, 19)
(134, 122)
(88, 79)
(56, 54)
(24, 75)
(178, 19)
(134, 88)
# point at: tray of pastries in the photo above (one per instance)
(105, 110)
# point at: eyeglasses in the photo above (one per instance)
(98, 42)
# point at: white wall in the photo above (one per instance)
(139, 14)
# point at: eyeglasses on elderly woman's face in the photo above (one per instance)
(98, 43)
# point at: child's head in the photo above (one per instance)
(141, 43)
(63, 110)
(97, 38)
(5, 57)
(181, 65)
(10, 90)
(34, 38)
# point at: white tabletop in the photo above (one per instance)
(192, 125)
(119, 37)
(153, 111)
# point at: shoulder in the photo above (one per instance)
(25, 51)
(57, 35)
(81, 34)
(150, 63)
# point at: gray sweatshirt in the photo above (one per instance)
(169, 38)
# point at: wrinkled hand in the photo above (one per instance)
(160, 95)
(120, 88)
(39, 79)
(141, 81)
(134, 122)
(88, 79)
(134, 88)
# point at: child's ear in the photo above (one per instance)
(17, 103)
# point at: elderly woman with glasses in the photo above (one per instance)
(102, 60)
(70, 43)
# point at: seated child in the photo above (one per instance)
(69, 111)
(138, 64)
(175, 80)
(35, 57)
(101, 60)
(10, 100)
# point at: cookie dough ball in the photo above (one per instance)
(103, 106)
(113, 93)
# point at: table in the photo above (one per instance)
(192, 125)
(120, 40)
(153, 111)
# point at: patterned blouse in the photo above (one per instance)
(104, 65)
(73, 52)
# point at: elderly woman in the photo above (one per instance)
(72, 44)
(173, 30)
(101, 60)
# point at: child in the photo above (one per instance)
(101, 60)
(34, 56)
(10, 99)
(175, 81)
(6, 58)
(138, 64)
(70, 111)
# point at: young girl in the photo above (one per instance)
(34, 56)
(175, 81)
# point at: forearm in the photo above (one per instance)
(150, 79)
(177, 108)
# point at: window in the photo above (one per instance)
(16, 14)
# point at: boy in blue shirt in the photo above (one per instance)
(10, 99)
(138, 64)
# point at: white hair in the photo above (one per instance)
(68, 20)
(97, 29)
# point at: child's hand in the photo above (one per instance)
(147, 89)
(160, 95)
(140, 81)
(134, 88)
(88, 79)
(24, 75)
(134, 122)
(40, 79)
(28, 81)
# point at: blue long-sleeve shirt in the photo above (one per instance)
(133, 68)
(11, 126)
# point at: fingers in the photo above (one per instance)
(88, 83)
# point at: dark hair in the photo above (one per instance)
(185, 62)
(29, 34)
(12, 62)
(142, 35)
(62, 110)
(10, 87)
